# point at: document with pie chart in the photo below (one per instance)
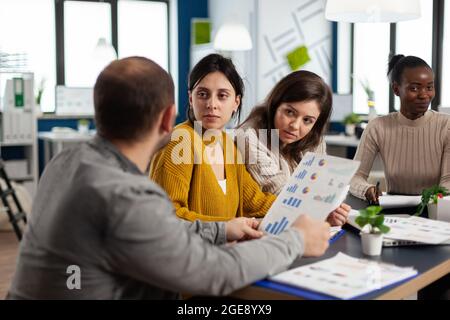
(318, 185)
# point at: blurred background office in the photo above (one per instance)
(64, 44)
(51, 52)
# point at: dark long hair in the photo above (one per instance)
(213, 63)
(297, 86)
(398, 63)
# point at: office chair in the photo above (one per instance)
(16, 215)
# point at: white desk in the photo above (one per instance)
(54, 142)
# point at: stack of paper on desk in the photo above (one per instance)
(418, 229)
(399, 201)
(412, 228)
(344, 277)
(318, 185)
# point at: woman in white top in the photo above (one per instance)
(298, 108)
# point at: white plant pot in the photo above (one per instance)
(432, 211)
(350, 129)
(372, 243)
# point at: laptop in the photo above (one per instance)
(386, 241)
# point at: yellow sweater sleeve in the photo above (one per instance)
(255, 202)
(172, 168)
(174, 177)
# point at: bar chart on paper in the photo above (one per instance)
(292, 202)
(318, 183)
(277, 227)
(326, 199)
(309, 162)
(301, 175)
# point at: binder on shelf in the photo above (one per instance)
(18, 86)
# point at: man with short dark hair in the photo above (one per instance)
(101, 230)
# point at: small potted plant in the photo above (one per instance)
(372, 229)
(430, 199)
(83, 126)
(350, 121)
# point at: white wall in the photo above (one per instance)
(276, 27)
(221, 12)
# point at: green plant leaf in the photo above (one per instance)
(363, 213)
(371, 216)
(430, 195)
(373, 210)
(378, 220)
(352, 118)
(361, 221)
(383, 228)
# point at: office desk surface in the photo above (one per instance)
(432, 263)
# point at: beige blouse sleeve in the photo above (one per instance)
(262, 164)
(366, 153)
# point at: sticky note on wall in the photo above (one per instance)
(298, 57)
(201, 31)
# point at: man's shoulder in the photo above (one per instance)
(91, 172)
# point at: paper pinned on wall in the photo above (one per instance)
(201, 31)
(298, 57)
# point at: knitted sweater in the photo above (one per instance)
(269, 168)
(183, 170)
(415, 153)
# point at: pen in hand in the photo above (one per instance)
(376, 202)
(377, 193)
(373, 195)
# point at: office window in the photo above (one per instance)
(445, 92)
(408, 33)
(143, 30)
(84, 24)
(370, 58)
(344, 56)
(28, 26)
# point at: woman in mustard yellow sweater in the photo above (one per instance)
(200, 168)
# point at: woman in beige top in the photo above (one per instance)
(414, 143)
(298, 108)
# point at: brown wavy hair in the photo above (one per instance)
(295, 87)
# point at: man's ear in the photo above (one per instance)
(168, 119)
(396, 88)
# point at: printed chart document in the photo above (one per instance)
(418, 229)
(318, 185)
(344, 277)
(411, 228)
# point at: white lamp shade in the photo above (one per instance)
(104, 52)
(372, 10)
(232, 37)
